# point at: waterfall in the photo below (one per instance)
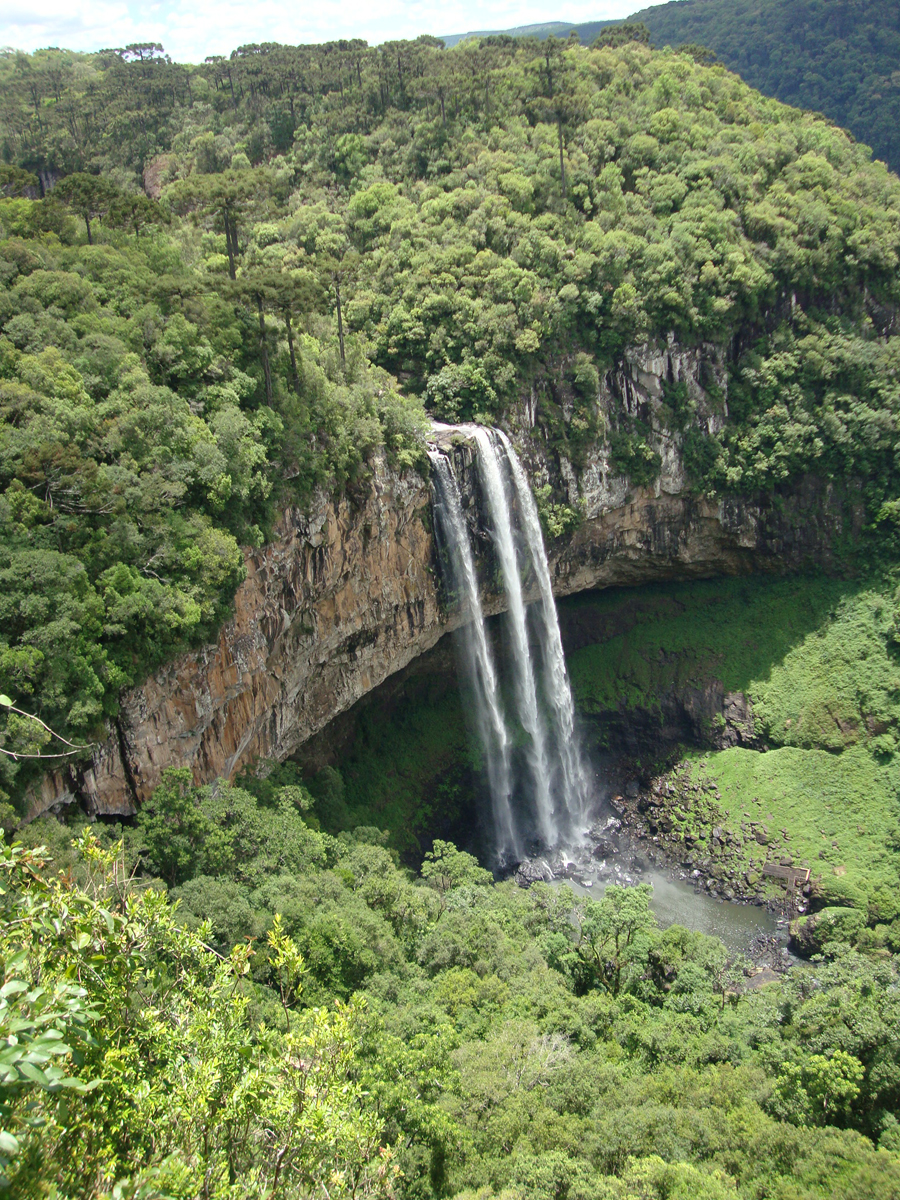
(528, 709)
(477, 657)
(558, 693)
(547, 778)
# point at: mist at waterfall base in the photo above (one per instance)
(521, 705)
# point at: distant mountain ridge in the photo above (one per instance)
(838, 57)
(587, 31)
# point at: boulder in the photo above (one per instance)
(533, 870)
(812, 934)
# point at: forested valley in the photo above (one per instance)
(236, 288)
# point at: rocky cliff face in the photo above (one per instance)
(349, 594)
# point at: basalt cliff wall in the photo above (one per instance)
(349, 592)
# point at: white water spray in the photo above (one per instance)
(528, 709)
(557, 689)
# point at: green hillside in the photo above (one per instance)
(586, 31)
(838, 57)
(548, 28)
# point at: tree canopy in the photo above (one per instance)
(838, 57)
(301, 1015)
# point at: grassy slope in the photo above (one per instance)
(840, 811)
(818, 661)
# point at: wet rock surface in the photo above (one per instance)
(533, 870)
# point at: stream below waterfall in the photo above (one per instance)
(675, 902)
(611, 856)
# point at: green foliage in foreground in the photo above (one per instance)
(818, 660)
(375, 1033)
(176, 1091)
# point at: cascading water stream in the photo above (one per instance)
(558, 692)
(554, 779)
(478, 659)
(527, 705)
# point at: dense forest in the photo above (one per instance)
(228, 287)
(838, 57)
(310, 1020)
(348, 237)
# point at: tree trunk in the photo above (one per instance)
(230, 244)
(264, 350)
(290, 338)
(337, 292)
(87, 223)
(562, 165)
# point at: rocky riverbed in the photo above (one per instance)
(678, 819)
(674, 822)
(669, 832)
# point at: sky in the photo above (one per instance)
(189, 32)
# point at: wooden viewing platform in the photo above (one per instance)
(793, 876)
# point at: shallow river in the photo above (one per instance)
(676, 903)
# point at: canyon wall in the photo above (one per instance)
(349, 593)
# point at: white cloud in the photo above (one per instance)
(73, 26)
(190, 32)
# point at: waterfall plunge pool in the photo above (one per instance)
(740, 926)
